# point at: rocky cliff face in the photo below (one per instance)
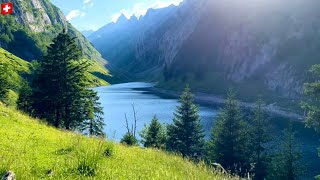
(268, 44)
(38, 15)
(32, 26)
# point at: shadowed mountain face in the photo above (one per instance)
(268, 44)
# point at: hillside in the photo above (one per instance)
(32, 150)
(19, 69)
(34, 24)
(258, 47)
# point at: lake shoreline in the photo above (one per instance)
(216, 100)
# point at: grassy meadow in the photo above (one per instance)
(33, 150)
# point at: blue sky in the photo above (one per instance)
(93, 14)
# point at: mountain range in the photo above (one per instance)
(257, 47)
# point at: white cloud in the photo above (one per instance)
(87, 4)
(87, 1)
(140, 9)
(75, 13)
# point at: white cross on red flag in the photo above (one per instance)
(6, 8)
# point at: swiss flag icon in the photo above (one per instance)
(6, 8)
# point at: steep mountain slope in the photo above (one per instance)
(258, 46)
(19, 69)
(33, 25)
(33, 150)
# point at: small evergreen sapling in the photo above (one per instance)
(186, 135)
(154, 135)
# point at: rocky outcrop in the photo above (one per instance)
(38, 15)
(9, 175)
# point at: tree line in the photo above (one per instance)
(240, 144)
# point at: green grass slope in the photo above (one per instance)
(32, 150)
(18, 69)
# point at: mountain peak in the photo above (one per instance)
(133, 18)
(122, 18)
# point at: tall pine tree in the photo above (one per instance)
(185, 135)
(260, 137)
(154, 135)
(60, 87)
(286, 163)
(312, 106)
(230, 142)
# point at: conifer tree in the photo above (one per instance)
(230, 142)
(286, 163)
(312, 107)
(129, 139)
(260, 136)
(185, 135)
(60, 86)
(94, 121)
(154, 135)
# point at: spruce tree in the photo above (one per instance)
(154, 135)
(260, 136)
(286, 163)
(186, 135)
(60, 86)
(312, 107)
(129, 139)
(230, 142)
(94, 121)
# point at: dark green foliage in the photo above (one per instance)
(60, 89)
(313, 105)
(230, 141)
(286, 163)
(109, 151)
(94, 122)
(154, 135)
(185, 135)
(4, 83)
(24, 102)
(260, 136)
(129, 139)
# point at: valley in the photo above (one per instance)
(160, 89)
